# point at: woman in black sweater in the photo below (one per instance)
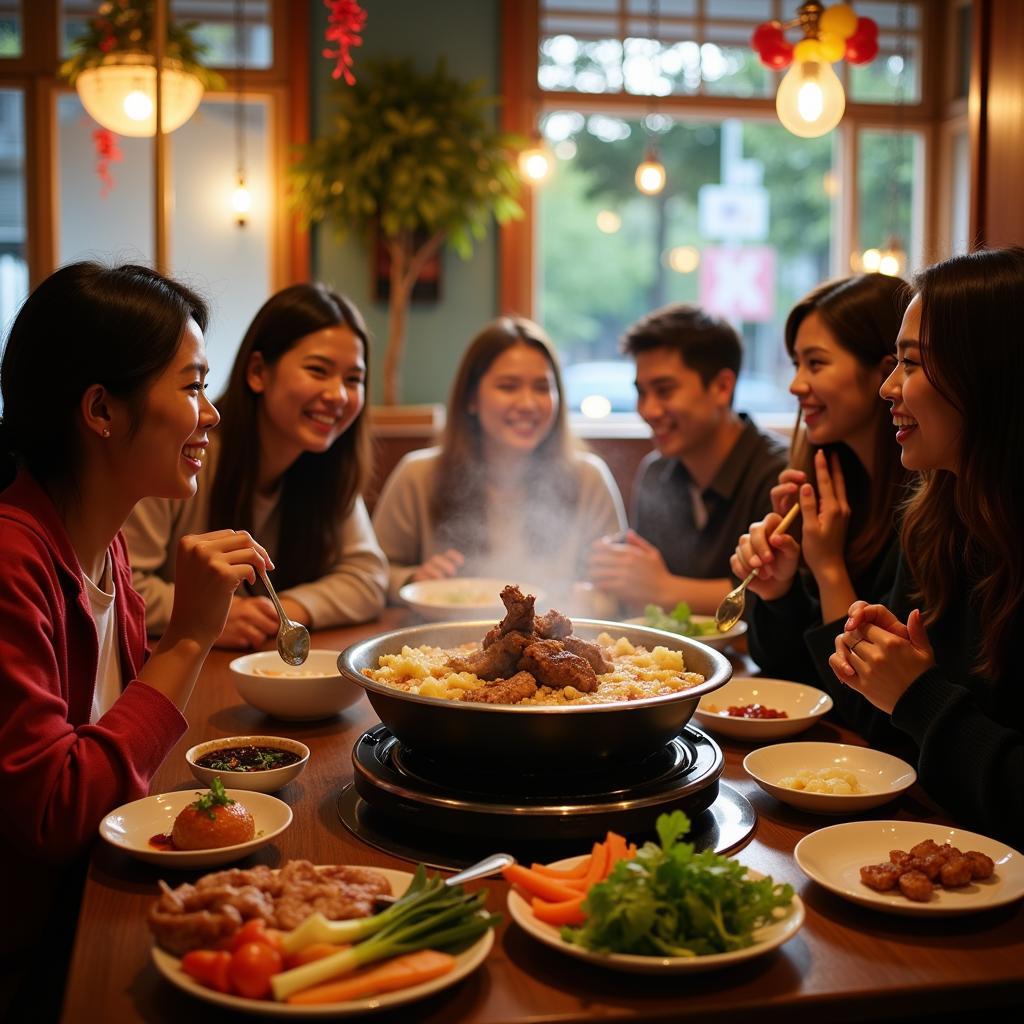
(840, 338)
(937, 660)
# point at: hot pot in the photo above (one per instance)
(537, 734)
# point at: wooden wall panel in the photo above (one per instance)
(996, 113)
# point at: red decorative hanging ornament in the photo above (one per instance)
(862, 46)
(107, 152)
(345, 20)
(772, 49)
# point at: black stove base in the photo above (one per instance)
(405, 832)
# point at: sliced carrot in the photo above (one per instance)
(631, 851)
(617, 850)
(401, 972)
(538, 885)
(598, 869)
(314, 951)
(564, 874)
(557, 914)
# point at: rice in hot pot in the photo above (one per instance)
(637, 673)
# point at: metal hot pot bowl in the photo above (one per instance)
(538, 734)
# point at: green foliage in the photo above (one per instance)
(672, 901)
(415, 151)
(126, 26)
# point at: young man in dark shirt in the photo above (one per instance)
(709, 477)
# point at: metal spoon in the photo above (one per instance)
(481, 869)
(731, 608)
(292, 637)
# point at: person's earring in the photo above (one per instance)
(106, 431)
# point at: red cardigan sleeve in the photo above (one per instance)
(59, 774)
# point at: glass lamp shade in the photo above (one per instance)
(810, 100)
(121, 94)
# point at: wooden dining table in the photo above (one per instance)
(848, 962)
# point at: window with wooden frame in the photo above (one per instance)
(751, 217)
(64, 196)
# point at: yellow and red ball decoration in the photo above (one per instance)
(840, 35)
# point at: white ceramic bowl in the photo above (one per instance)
(803, 705)
(882, 777)
(269, 781)
(302, 693)
(131, 826)
(461, 597)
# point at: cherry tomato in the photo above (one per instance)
(209, 967)
(255, 930)
(251, 968)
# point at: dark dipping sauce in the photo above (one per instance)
(247, 759)
(162, 841)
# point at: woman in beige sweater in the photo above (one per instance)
(507, 494)
(287, 464)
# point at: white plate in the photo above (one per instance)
(465, 962)
(765, 939)
(882, 776)
(719, 641)
(803, 705)
(131, 826)
(461, 597)
(833, 857)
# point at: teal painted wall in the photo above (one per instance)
(466, 33)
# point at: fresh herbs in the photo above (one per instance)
(214, 797)
(430, 915)
(679, 620)
(672, 901)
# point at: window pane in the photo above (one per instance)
(13, 269)
(116, 225)
(216, 28)
(229, 264)
(645, 67)
(743, 227)
(893, 76)
(10, 28)
(886, 175)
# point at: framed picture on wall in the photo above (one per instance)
(428, 284)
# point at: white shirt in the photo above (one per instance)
(108, 669)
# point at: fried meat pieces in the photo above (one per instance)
(525, 649)
(927, 864)
(214, 908)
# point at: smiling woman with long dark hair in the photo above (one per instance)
(939, 659)
(844, 471)
(103, 380)
(288, 464)
(507, 493)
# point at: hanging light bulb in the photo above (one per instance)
(810, 100)
(535, 163)
(650, 174)
(241, 201)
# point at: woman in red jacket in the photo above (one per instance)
(103, 381)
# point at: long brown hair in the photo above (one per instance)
(863, 314)
(552, 478)
(318, 489)
(972, 354)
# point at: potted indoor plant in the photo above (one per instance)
(414, 156)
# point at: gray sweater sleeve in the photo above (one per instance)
(355, 588)
(152, 532)
(401, 517)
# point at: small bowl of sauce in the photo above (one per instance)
(261, 763)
